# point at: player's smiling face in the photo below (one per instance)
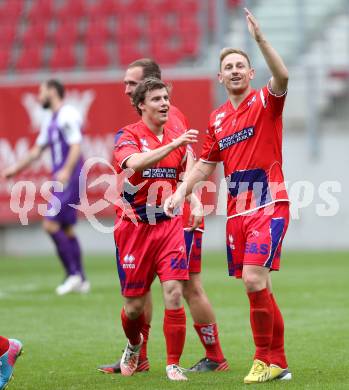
(156, 106)
(133, 77)
(235, 73)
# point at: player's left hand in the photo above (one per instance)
(253, 26)
(196, 213)
(172, 204)
(63, 176)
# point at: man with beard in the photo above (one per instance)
(61, 133)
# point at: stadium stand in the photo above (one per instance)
(85, 31)
(30, 59)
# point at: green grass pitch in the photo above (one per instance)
(66, 338)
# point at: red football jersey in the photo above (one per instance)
(248, 140)
(145, 192)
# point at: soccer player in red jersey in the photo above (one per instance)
(245, 133)
(148, 243)
(194, 293)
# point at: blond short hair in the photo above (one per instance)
(229, 50)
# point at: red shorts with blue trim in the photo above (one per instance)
(193, 242)
(256, 238)
(144, 250)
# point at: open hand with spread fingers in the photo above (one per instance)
(253, 26)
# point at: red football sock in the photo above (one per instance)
(4, 345)
(132, 328)
(145, 332)
(261, 318)
(208, 334)
(174, 331)
(277, 352)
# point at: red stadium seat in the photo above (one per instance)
(133, 7)
(105, 8)
(41, 10)
(190, 47)
(154, 7)
(129, 29)
(35, 34)
(11, 10)
(5, 58)
(71, 9)
(66, 32)
(97, 31)
(63, 57)
(189, 25)
(129, 52)
(30, 59)
(189, 7)
(7, 33)
(161, 27)
(164, 53)
(96, 56)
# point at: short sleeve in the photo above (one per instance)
(272, 102)
(210, 150)
(71, 124)
(42, 139)
(126, 144)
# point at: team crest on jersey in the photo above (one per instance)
(250, 102)
(218, 122)
(129, 262)
(145, 146)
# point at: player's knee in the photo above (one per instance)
(253, 282)
(193, 291)
(173, 297)
(134, 309)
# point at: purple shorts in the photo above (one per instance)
(60, 209)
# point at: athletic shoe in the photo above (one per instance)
(84, 288)
(71, 284)
(260, 372)
(143, 366)
(130, 357)
(7, 362)
(206, 365)
(175, 373)
(278, 373)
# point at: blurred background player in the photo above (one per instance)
(62, 135)
(245, 133)
(157, 155)
(194, 293)
(10, 350)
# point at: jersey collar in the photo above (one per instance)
(151, 134)
(246, 103)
